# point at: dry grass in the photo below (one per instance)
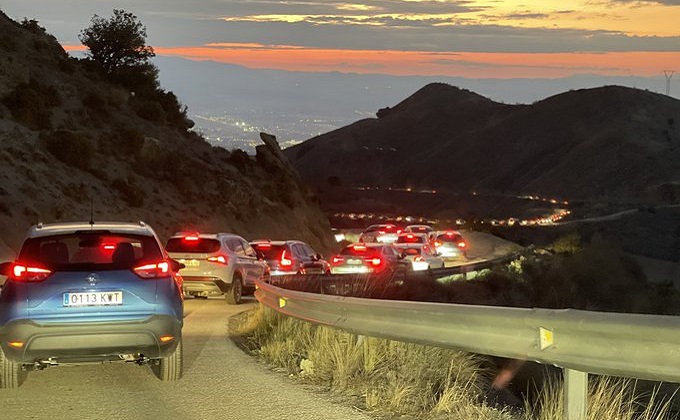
(608, 399)
(414, 381)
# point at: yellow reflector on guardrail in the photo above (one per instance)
(282, 302)
(546, 337)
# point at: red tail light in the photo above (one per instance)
(375, 261)
(285, 262)
(191, 238)
(337, 260)
(222, 259)
(462, 244)
(153, 271)
(26, 273)
(359, 248)
(438, 243)
(381, 232)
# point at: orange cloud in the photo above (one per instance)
(452, 64)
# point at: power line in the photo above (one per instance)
(668, 74)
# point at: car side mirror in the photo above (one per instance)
(317, 257)
(175, 265)
(5, 268)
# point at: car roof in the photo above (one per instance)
(282, 242)
(48, 229)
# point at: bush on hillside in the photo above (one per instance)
(130, 192)
(70, 147)
(30, 104)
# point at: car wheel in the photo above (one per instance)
(233, 296)
(170, 368)
(11, 374)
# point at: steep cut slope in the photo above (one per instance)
(612, 142)
(72, 143)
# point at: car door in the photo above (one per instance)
(255, 267)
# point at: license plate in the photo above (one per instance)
(351, 261)
(190, 263)
(93, 298)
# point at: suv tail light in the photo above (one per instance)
(26, 273)
(462, 244)
(222, 259)
(285, 262)
(153, 271)
(337, 260)
(375, 261)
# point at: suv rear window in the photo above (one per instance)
(90, 250)
(271, 252)
(455, 238)
(199, 246)
(360, 250)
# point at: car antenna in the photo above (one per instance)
(91, 212)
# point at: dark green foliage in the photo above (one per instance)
(567, 244)
(117, 42)
(70, 147)
(30, 104)
(148, 109)
(131, 193)
(127, 142)
(32, 26)
(94, 102)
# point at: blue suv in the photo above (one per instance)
(90, 292)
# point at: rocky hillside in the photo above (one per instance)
(611, 143)
(70, 142)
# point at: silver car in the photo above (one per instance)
(216, 264)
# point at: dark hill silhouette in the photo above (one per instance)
(609, 143)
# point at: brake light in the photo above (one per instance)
(109, 247)
(285, 262)
(359, 248)
(381, 232)
(191, 238)
(409, 236)
(222, 259)
(438, 243)
(462, 244)
(375, 261)
(398, 231)
(337, 260)
(263, 246)
(26, 273)
(153, 271)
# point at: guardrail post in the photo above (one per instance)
(575, 394)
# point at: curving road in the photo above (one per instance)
(220, 381)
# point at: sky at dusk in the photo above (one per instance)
(454, 38)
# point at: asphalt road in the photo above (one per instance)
(220, 382)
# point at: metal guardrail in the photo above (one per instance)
(581, 342)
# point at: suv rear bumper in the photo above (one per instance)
(89, 341)
(203, 284)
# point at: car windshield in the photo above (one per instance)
(193, 245)
(90, 250)
(270, 251)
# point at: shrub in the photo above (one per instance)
(127, 141)
(70, 147)
(94, 102)
(130, 192)
(30, 104)
(149, 110)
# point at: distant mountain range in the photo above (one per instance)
(610, 144)
(231, 104)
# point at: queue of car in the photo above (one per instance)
(88, 292)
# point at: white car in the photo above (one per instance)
(216, 264)
(424, 229)
(421, 255)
